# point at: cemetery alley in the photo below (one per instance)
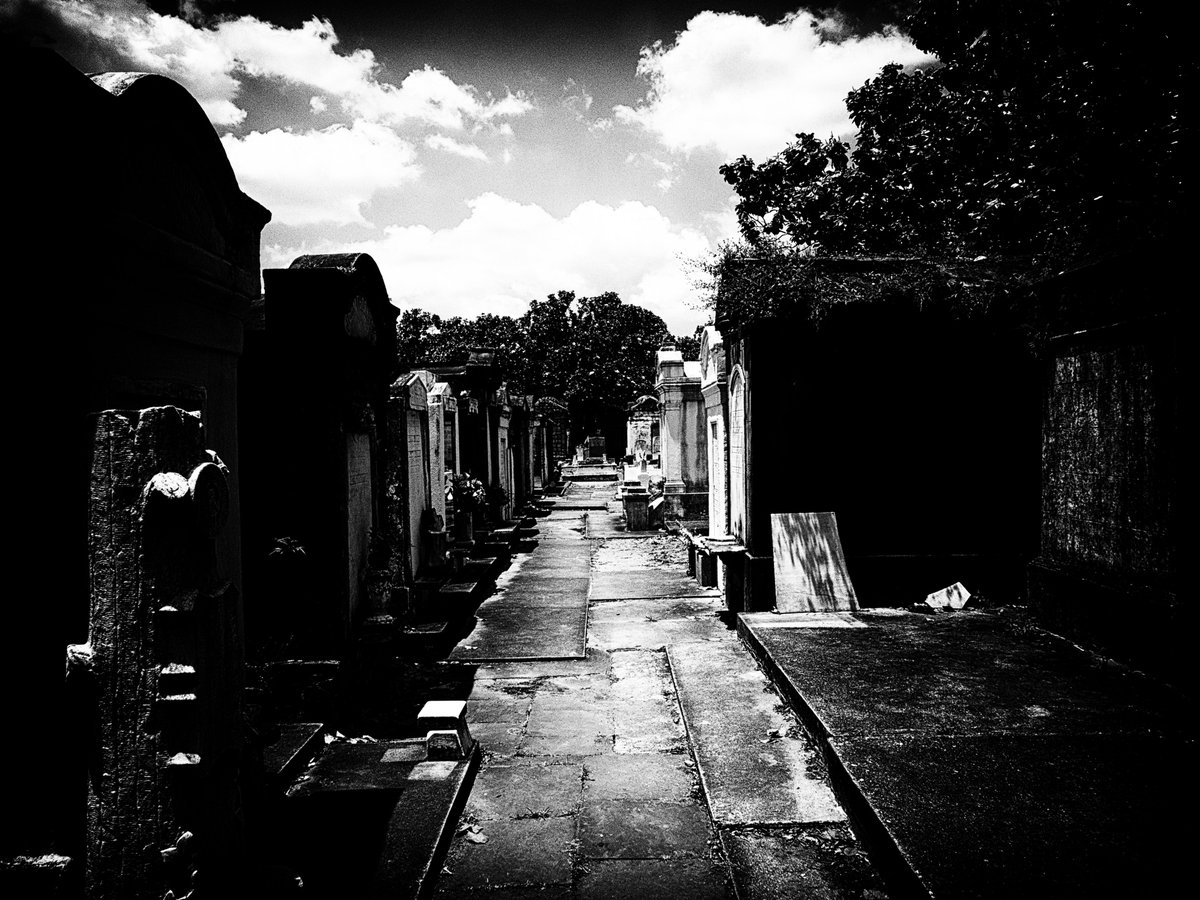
(634, 738)
(858, 581)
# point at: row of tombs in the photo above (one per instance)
(259, 488)
(255, 479)
(824, 452)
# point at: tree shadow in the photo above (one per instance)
(808, 543)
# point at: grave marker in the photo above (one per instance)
(810, 568)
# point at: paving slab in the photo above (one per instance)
(655, 567)
(530, 788)
(645, 715)
(659, 583)
(755, 765)
(496, 706)
(582, 503)
(619, 634)
(707, 609)
(525, 630)
(642, 829)
(539, 608)
(587, 687)
(650, 725)
(982, 758)
(498, 738)
(610, 524)
(639, 879)
(595, 660)
(640, 776)
(818, 863)
(516, 852)
(568, 720)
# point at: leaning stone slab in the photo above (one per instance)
(810, 568)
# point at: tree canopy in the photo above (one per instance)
(1053, 128)
(596, 354)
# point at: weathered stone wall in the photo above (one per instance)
(1105, 502)
(1108, 564)
(162, 663)
(143, 253)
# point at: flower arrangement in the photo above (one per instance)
(465, 492)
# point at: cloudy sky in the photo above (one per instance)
(487, 154)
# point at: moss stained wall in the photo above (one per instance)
(1107, 502)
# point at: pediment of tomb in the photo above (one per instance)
(168, 169)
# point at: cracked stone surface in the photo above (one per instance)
(590, 786)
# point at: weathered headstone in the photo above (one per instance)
(594, 448)
(162, 661)
(810, 568)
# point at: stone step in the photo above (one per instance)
(374, 819)
(492, 549)
(726, 703)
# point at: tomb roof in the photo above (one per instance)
(789, 286)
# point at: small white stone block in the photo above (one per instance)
(955, 597)
(444, 745)
(446, 715)
(436, 712)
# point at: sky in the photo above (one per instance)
(489, 154)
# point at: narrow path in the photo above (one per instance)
(539, 607)
(598, 783)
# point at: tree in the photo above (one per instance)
(596, 354)
(1053, 128)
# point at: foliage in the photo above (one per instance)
(465, 492)
(689, 345)
(593, 353)
(775, 280)
(498, 496)
(424, 338)
(1055, 128)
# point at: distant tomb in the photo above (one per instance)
(810, 568)
(594, 449)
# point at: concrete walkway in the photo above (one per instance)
(539, 607)
(662, 764)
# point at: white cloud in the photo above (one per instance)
(320, 176)
(506, 253)
(317, 105)
(744, 87)
(211, 60)
(668, 175)
(450, 145)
